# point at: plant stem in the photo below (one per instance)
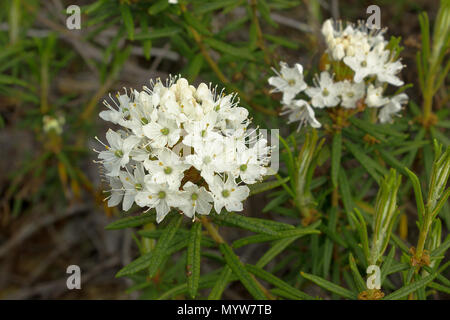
(212, 230)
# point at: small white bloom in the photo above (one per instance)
(228, 194)
(289, 81)
(389, 72)
(132, 184)
(115, 115)
(197, 200)
(300, 110)
(351, 93)
(208, 158)
(162, 132)
(326, 92)
(116, 192)
(168, 168)
(364, 65)
(392, 107)
(374, 97)
(117, 154)
(160, 197)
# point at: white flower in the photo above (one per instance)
(389, 72)
(364, 65)
(228, 194)
(202, 130)
(289, 81)
(176, 143)
(374, 97)
(168, 168)
(197, 200)
(160, 197)
(351, 93)
(117, 153)
(116, 192)
(132, 184)
(392, 107)
(115, 115)
(368, 66)
(326, 92)
(208, 158)
(162, 132)
(300, 110)
(229, 115)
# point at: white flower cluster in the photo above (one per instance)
(181, 147)
(355, 50)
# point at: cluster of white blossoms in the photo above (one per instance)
(181, 147)
(361, 58)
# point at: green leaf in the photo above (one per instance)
(346, 195)
(163, 244)
(264, 10)
(330, 286)
(243, 222)
(158, 7)
(336, 151)
(9, 80)
(295, 233)
(276, 249)
(127, 20)
(239, 270)
(417, 192)
(439, 287)
(372, 167)
(130, 222)
(265, 186)
(196, 24)
(288, 43)
(158, 33)
(242, 53)
(206, 281)
(193, 258)
(277, 282)
(392, 161)
(137, 265)
(360, 284)
(208, 6)
(387, 264)
(194, 67)
(412, 287)
(442, 249)
(221, 283)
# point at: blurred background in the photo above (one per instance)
(53, 81)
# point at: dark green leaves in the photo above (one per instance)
(277, 282)
(241, 272)
(336, 150)
(243, 222)
(153, 259)
(345, 293)
(229, 49)
(127, 20)
(266, 186)
(372, 167)
(130, 222)
(412, 287)
(193, 258)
